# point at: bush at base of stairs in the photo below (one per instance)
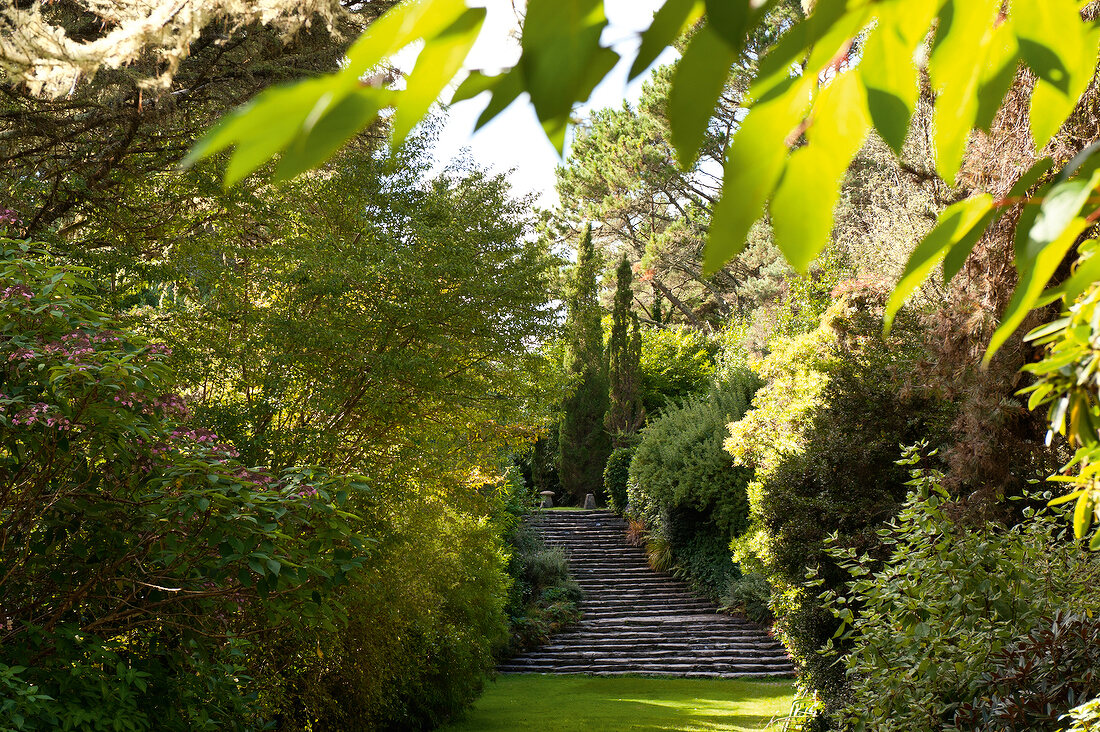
(750, 595)
(543, 599)
(946, 602)
(687, 490)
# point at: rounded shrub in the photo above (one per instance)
(680, 461)
(686, 489)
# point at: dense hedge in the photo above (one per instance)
(687, 488)
(677, 363)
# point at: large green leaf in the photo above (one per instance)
(955, 257)
(803, 204)
(1049, 239)
(505, 89)
(262, 127)
(967, 39)
(1002, 63)
(275, 119)
(671, 21)
(561, 40)
(697, 84)
(318, 141)
(828, 17)
(403, 24)
(436, 65)
(753, 167)
(889, 69)
(780, 103)
(1060, 48)
(1085, 273)
(955, 225)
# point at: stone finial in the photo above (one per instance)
(547, 499)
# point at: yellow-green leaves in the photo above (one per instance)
(754, 164)
(400, 26)
(1061, 51)
(699, 80)
(802, 207)
(317, 141)
(968, 48)
(671, 21)
(959, 226)
(892, 88)
(822, 110)
(435, 67)
(310, 120)
(1049, 239)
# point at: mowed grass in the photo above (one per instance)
(575, 703)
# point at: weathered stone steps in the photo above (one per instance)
(637, 620)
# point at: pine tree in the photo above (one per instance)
(625, 413)
(583, 442)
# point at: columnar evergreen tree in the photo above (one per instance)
(625, 413)
(583, 442)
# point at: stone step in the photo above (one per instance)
(656, 594)
(652, 672)
(636, 620)
(614, 601)
(675, 649)
(694, 640)
(644, 666)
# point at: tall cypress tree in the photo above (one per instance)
(583, 442)
(625, 413)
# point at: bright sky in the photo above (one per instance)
(514, 140)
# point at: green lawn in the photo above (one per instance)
(574, 703)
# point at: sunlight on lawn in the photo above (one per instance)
(576, 703)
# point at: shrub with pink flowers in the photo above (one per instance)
(136, 552)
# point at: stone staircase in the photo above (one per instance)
(637, 621)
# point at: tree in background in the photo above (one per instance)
(583, 443)
(625, 413)
(102, 101)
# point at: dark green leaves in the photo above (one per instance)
(698, 82)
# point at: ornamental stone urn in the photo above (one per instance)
(547, 499)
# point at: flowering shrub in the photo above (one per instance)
(137, 553)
